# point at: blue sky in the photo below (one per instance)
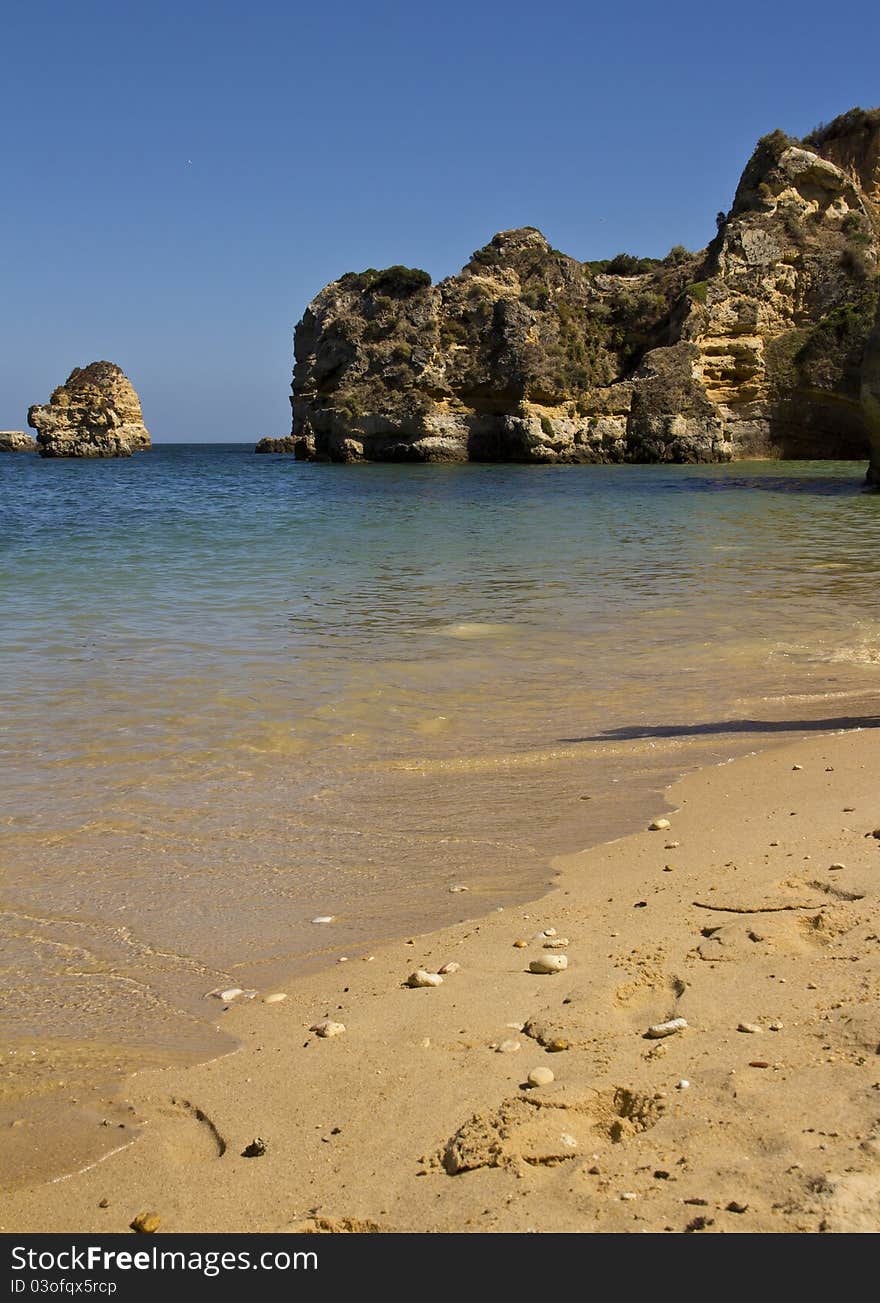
(325, 138)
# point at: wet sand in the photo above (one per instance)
(412, 1120)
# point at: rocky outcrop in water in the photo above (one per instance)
(16, 441)
(285, 444)
(753, 347)
(95, 413)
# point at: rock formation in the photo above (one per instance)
(16, 441)
(753, 347)
(284, 444)
(871, 400)
(95, 413)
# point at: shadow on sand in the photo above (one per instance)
(631, 733)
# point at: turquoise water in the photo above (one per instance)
(240, 691)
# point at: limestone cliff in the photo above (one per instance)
(871, 401)
(16, 441)
(751, 347)
(95, 413)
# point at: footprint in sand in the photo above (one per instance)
(188, 1134)
(652, 996)
(545, 1131)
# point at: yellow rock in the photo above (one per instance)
(146, 1223)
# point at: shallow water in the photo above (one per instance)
(239, 692)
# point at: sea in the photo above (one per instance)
(240, 693)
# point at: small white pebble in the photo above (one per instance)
(658, 825)
(549, 964)
(275, 998)
(426, 1043)
(452, 967)
(456, 888)
(549, 932)
(833, 868)
(324, 918)
(540, 1077)
(343, 959)
(684, 1084)
(231, 993)
(750, 1027)
(421, 978)
(629, 1195)
(508, 1047)
(660, 1029)
(795, 767)
(557, 943)
(568, 1140)
(327, 1027)
(776, 1027)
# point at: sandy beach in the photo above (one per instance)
(753, 917)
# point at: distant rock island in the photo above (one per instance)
(16, 441)
(95, 413)
(759, 345)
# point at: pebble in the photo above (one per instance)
(672, 846)
(734, 1207)
(557, 1045)
(421, 978)
(256, 1149)
(558, 943)
(549, 964)
(275, 998)
(629, 1195)
(684, 1084)
(456, 888)
(519, 944)
(659, 825)
(661, 1029)
(146, 1223)
(452, 967)
(231, 993)
(324, 918)
(835, 867)
(426, 1042)
(540, 1077)
(750, 1027)
(549, 932)
(568, 1140)
(795, 767)
(327, 1027)
(104, 1203)
(776, 1026)
(508, 1047)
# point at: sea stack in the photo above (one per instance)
(95, 413)
(752, 347)
(16, 441)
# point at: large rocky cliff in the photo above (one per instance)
(754, 346)
(95, 413)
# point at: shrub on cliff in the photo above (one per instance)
(392, 282)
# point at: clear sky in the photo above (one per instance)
(181, 178)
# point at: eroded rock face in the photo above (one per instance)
(95, 413)
(871, 400)
(752, 347)
(16, 441)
